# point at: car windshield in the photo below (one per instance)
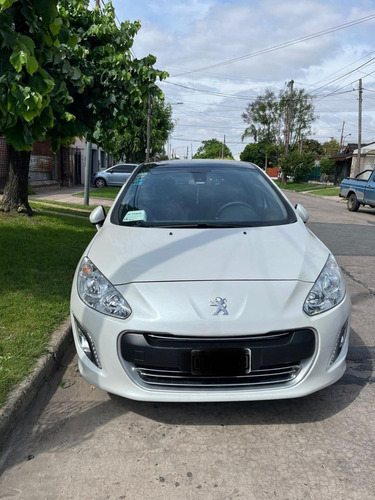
(222, 195)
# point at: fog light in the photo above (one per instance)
(340, 341)
(87, 345)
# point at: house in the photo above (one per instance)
(367, 159)
(343, 162)
(66, 167)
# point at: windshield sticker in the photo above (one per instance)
(140, 179)
(135, 215)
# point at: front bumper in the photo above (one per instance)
(126, 369)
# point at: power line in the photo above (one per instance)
(199, 140)
(282, 45)
(209, 92)
(345, 75)
(337, 71)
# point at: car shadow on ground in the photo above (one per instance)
(58, 425)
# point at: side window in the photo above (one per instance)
(124, 169)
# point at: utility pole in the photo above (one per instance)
(357, 168)
(149, 108)
(287, 123)
(223, 149)
(342, 136)
(288, 116)
(88, 168)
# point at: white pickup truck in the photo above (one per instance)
(359, 190)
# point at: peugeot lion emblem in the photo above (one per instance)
(221, 306)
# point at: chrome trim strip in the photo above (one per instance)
(185, 379)
(214, 339)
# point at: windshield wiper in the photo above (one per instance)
(200, 225)
(137, 223)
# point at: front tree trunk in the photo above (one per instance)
(15, 196)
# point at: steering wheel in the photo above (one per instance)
(233, 204)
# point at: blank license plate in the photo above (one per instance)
(220, 362)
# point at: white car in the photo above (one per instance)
(204, 284)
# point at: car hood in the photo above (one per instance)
(134, 254)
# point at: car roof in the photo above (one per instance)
(204, 164)
(125, 165)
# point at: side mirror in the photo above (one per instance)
(97, 217)
(302, 212)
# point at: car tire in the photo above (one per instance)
(100, 183)
(353, 203)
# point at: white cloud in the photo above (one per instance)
(186, 35)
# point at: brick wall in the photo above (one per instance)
(272, 172)
(41, 162)
(44, 165)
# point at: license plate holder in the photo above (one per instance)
(228, 362)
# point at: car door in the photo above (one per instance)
(370, 190)
(117, 175)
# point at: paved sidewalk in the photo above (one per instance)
(66, 195)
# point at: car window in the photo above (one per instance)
(364, 176)
(128, 168)
(124, 169)
(202, 196)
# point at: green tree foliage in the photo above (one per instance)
(331, 147)
(328, 166)
(266, 116)
(260, 153)
(31, 99)
(131, 144)
(297, 165)
(66, 71)
(118, 85)
(312, 145)
(213, 149)
(263, 116)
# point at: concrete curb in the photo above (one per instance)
(21, 398)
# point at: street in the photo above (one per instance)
(79, 442)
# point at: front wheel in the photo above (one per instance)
(353, 204)
(100, 183)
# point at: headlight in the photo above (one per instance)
(328, 290)
(97, 292)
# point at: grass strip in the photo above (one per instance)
(78, 206)
(40, 207)
(302, 186)
(332, 191)
(38, 257)
(105, 192)
(307, 187)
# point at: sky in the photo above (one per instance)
(222, 54)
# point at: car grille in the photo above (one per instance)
(166, 360)
(185, 379)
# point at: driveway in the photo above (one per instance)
(81, 443)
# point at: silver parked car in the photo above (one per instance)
(113, 176)
(204, 284)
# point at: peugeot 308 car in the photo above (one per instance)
(203, 283)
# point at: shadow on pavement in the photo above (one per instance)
(57, 426)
